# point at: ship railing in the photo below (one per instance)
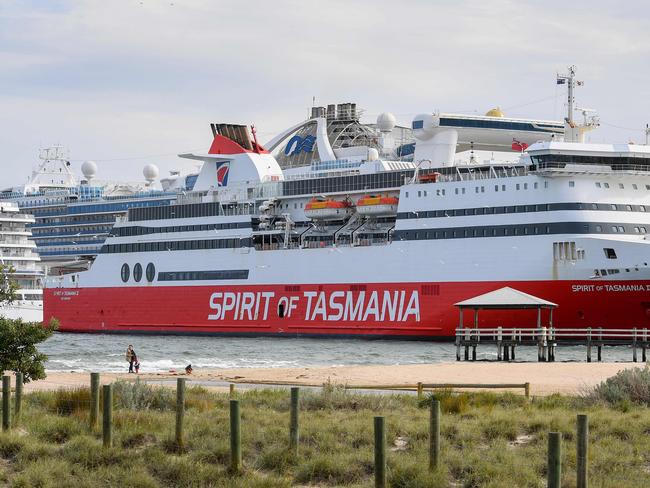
(600, 169)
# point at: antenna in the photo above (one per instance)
(571, 82)
(647, 133)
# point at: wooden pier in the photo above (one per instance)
(548, 340)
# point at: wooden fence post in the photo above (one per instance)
(180, 410)
(232, 390)
(527, 389)
(19, 395)
(582, 445)
(6, 402)
(235, 436)
(107, 420)
(380, 452)
(420, 390)
(434, 435)
(293, 422)
(94, 400)
(554, 459)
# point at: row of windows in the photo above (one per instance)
(176, 245)
(359, 182)
(621, 186)
(495, 124)
(222, 274)
(184, 211)
(513, 230)
(139, 231)
(544, 207)
(125, 272)
(613, 161)
(441, 192)
(106, 207)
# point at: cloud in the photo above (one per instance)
(129, 78)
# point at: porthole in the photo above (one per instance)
(151, 272)
(126, 272)
(137, 272)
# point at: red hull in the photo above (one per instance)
(403, 310)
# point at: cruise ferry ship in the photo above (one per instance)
(74, 215)
(20, 265)
(361, 241)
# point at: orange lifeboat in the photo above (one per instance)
(429, 177)
(327, 209)
(377, 206)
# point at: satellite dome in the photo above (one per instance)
(495, 112)
(386, 122)
(89, 169)
(150, 172)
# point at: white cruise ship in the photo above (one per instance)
(21, 264)
(352, 239)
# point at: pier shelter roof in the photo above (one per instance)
(505, 298)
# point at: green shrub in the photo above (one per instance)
(628, 385)
(140, 396)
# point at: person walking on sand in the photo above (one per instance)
(130, 357)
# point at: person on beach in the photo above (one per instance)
(130, 355)
(136, 363)
(188, 369)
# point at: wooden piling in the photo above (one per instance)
(94, 400)
(232, 390)
(180, 410)
(293, 422)
(582, 456)
(600, 353)
(420, 391)
(634, 355)
(107, 420)
(235, 437)
(380, 452)
(6, 403)
(554, 459)
(527, 389)
(434, 435)
(18, 401)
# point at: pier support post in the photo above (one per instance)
(18, 402)
(512, 352)
(107, 420)
(235, 437)
(634, 355)
(582, 445)
(380, 452)
(554, 459)
(420, 390)
(474, 352)
(466, 353)
(6, 402)
(94, 400)
(293, 422)
(180, 410)
(600, 353)
(434, 435)
(506, 353)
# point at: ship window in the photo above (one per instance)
(635, 186)
(598, 185)
(636, 229)
(517, 187)
(599, 228)
(647, 187)
(535, 185)
(621, 228)
(629, 208)
(137, 272)
(482, 189)
(642, 208)
(613, 206)
(546, 184)
(462, 190)
(419, 193)
(621, 186)
(503, 187)
(525, 186)
(594, 206)
(424, 193)
(476, 189)
(606, 185)
(150, 272)
(643, 230)
(609, 253)
(572, 184)
(496, 187)
(614, 229)
(125, 272)
(456, 191)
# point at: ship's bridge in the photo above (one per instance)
(562, 158)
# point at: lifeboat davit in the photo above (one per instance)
(377, 206)
(327, 209)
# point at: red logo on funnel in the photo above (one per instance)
(222, 173)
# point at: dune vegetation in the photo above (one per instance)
(488, 440)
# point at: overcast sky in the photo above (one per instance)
(129, 82)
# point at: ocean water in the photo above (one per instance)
(105, 352)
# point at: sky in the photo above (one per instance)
(131, 82)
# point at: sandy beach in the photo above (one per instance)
(545, 378)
